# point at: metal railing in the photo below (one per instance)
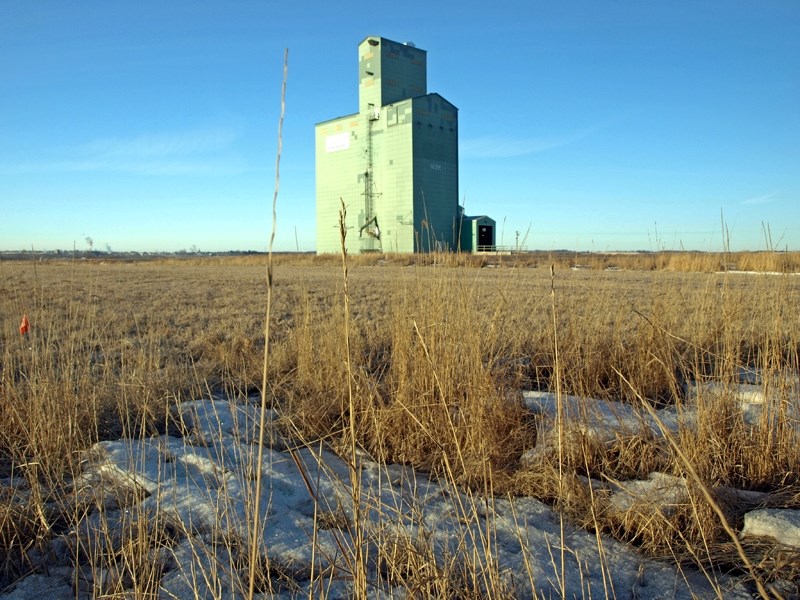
(500, 249)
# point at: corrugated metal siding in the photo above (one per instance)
(412, 139)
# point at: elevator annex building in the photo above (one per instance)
(394, 163)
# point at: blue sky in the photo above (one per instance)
(587, 125)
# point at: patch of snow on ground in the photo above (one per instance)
(600, 420)
(735, 272)
(758, 401)
(662, 491)
(781, 524)
(201, 489)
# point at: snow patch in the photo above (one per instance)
(196, 496)
(781, 524)
(659, 491)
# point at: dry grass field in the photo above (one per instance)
(440, 350)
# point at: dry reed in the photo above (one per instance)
(438, 355)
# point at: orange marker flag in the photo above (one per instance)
(24, 326)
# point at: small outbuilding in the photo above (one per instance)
(478, 234)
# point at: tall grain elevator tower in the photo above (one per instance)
(394, 163)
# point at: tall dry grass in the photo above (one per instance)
(768, 261)
(438, 355)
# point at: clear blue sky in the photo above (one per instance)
(591, 125)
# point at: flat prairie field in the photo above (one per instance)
(167, 329)
(153, 331)
(460, 371)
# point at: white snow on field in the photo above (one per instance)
(779, 524)
(200, 489)
(659, 490)
(606, 421)
(195, 492)
(602, 419)
(735, 272)
(758, 400)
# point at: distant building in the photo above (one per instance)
(477, 234)
(394, 163)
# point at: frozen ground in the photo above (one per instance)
(192, 492)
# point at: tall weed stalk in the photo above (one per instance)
(256, 533)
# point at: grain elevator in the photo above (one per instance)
(394, 163)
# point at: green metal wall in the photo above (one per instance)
(435, 173)
(394, 176)
(396, 160)
(389, 72)
(338, 162)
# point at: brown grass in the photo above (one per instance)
(438, 355)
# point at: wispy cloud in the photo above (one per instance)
(495, 146)
(765, 199)
(201, 151)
